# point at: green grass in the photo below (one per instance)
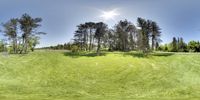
(48, 75)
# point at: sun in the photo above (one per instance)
(109, 15)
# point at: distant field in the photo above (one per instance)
(59, 75)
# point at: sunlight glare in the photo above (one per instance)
(107, 15)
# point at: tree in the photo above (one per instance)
(91, 27)
(28, 25)
(163, 48)
(81, 37)
(124, 37)
(125, 32)
(178, 45)
(101, 29)
(144, 30)
(174, 45)
(194, 46)
(111, 39)
(132, 36)
(121, 30)
(10, 30)
(2, 45)
(33, 41)
(182, 46)
(155, 34)
(22, 33)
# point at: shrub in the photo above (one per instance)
(74, 48)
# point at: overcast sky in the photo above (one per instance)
(179, 18)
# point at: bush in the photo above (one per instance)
(74, 48)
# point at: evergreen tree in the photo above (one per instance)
(101, 29)
(174, 45)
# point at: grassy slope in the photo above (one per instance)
(114, 76)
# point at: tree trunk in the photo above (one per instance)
(23, 43)
(87, 42)
(26, 45)
(81, 46)
(90, 45)
(14, 51)
(32, 49)
(110, 47)
(15, 46)
(153, 44)
(98, 47)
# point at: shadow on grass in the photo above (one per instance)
(135, 54)
(164, 54)
(142, 55)
(83, 54)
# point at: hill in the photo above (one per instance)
(60, 75)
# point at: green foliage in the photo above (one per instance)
(148, 29)
(33, 41)
(28, 26)
(29, 37)
(2, 46)
(178, 45)
(10, 30)
(10, 49)
(74, 48)
(155, 35)
(194, 46)
(124, 31)
(66, 46)
(165, 48)
(174, 45)
(123, 37)
(101, 29)
(143, 40)
(182, 46)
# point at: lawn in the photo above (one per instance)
(59, 75)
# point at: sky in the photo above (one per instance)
(177, 18)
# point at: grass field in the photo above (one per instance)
(59, 75)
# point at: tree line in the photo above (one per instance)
(21, 34)
(65, 46)
(178, 45)
(125, 36)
